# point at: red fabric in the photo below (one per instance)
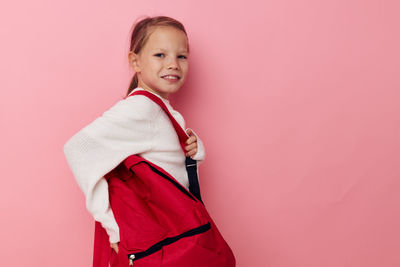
(150, 206)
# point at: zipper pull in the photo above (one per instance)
(131, 257)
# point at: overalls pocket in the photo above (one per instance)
(176, 247)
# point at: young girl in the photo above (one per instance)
(159, 54)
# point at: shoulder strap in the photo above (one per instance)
(191, 164)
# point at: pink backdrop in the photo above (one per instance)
(297, 103)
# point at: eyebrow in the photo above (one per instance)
(182, 51)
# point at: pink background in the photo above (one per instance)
(297, 103)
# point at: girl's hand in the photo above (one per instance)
(114, 246)
(191, 143)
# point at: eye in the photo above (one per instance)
(183, 56)
(158, 54)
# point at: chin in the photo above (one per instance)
(172, 90)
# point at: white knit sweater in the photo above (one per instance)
(135, 125)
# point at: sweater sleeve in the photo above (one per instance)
(125, 129)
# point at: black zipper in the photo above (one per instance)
(169, 240)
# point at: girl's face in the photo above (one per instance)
(165, 53)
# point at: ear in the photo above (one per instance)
(133, 61)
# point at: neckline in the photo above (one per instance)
(166, 101)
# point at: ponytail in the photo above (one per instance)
(133, 84)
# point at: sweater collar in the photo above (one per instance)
(166, 101)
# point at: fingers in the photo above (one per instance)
(191, 146)
(189, 131)
(192, 136)
(192, 149)
(191, 139)
(114, 246)
(191, 143)
(191, 153)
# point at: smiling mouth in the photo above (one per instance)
(171, 77)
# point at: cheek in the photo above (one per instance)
(185, 67)
(151, 65)
(156, 67)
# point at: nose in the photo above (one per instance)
(173, 64)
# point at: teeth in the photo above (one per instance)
(170, 77)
